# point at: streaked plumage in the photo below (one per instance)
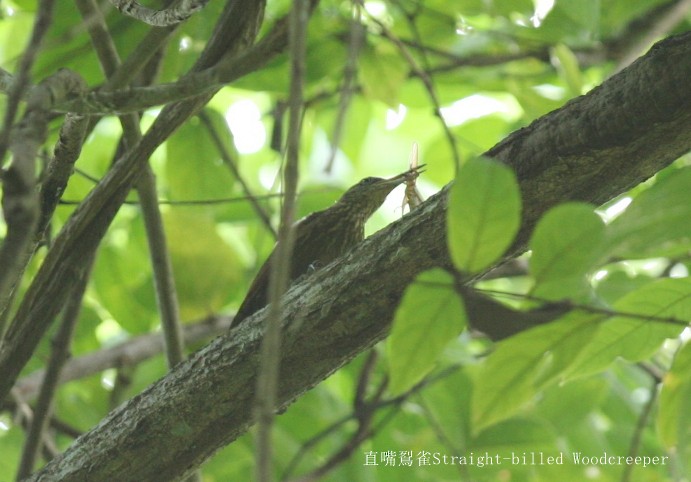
(324, 236)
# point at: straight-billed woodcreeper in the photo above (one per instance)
(325, 235)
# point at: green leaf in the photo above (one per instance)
(516, 435)
(122, 277)
(656, 222)
(568, 68)
(619, 282)
(533, 102)
(357, 123)
(570, 22)
(566, 245)
(636, 338)
(382, 74)
(194, 169)
(430, 315)
(455, 392)
(673, 416)
(206, 269)
(519, 366)
(484, 214)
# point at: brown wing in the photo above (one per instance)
(320, 238)
(258, 293)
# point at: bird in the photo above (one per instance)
(325, 235)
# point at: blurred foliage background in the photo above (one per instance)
(423, 70)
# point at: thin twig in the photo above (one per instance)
(146, 187)
(130, 352)
(230, 162)
(357, 36)
(267, 379)
(591, 309)
(428, 84)
(164, 281)
(373, 407)
(58, 357)
(14, 404)
(18, 204)
(122, 382)
(200, 202)
(23, 417)
(364, 414)
(201, 81)
(22, 79)
(637, 436)
(236, 30)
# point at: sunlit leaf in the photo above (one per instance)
(566, 244)
(635, 338)
(521, 365)
(568, 68)
(382, 74)
(656, 222)
(206, 269)
(122, 278)
(515, 435)
(673, 416)
(570, 22)
(533, 102)
(430, 315)
(484, 214)
(194, 169)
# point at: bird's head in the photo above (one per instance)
(366, 196)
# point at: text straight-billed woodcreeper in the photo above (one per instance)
(325, 235)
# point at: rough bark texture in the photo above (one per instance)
(594, 148)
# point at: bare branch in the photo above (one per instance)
(22, 79)
(427, 83)
(130, 352)
(207, 78)
(160, 18)
(59, 355)
(164, 283)
(65, 154)
(267, 380)
(230, 162)
(20, 201)
(348, 87)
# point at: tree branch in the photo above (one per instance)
(279, 279)
(20, 201)
(160, 18)
(84, 230)
(129, 352)
(59, 355)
